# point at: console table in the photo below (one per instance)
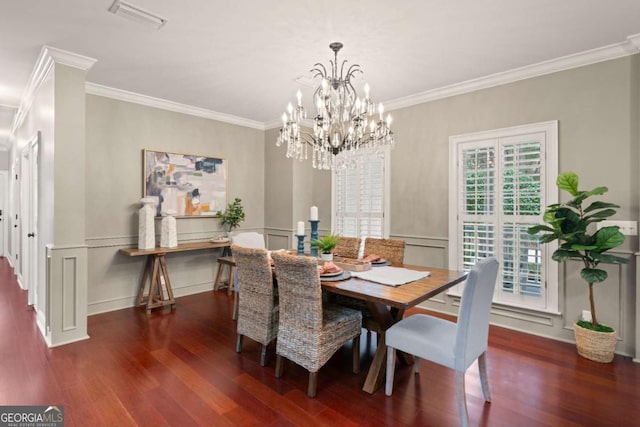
(155, 272)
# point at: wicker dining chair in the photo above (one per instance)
(310, 332)
(248, 239)
(391, 250)
(257, 308)
(348, 247)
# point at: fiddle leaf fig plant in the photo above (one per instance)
(233, 215)
(571, 224)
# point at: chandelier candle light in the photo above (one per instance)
(344, 127)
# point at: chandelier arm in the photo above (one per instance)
(342, 70)
(319, 74)
(315, 68)
(352, 70)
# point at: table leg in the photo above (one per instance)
(231, 280)
(156, 271)
(165, 274)
(153, 286)
(386, 318)
(143, 283)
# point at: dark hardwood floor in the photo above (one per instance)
(179, 368)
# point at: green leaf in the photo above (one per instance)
(608, 238)
(546, 238)
(538, 228)
(584, 247)
(610, 259)
(600, 215)
(597, 191)
(593, 275)
(577, 201)
(563, 254)
(568, 181)
(600, 205)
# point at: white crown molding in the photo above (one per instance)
(70, 59)
(634, 42)
(47, 58)
(149, 101)
(629, 47)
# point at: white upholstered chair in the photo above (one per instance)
(248, 239)
(454, 345)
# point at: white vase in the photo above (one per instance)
(327, 257)
(146, 226)
(168, 232)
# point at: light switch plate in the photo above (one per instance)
(628, 228)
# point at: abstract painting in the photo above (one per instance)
(185, 185)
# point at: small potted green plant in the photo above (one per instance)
(233, 215)
(571, 225)
(326, 245)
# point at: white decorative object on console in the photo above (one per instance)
(168, 232)
(146, 226)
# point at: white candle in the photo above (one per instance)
(300, 228)
(313, 215)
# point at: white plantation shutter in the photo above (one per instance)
(501, 184)
(359, 199)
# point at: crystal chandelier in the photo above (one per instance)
(344, 128)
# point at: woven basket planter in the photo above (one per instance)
(593, 345)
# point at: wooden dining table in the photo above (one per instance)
(389, 303)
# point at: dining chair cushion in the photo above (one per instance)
(426, 337)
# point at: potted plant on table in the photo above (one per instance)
(233, 215)
(569, 223)
(326, 245)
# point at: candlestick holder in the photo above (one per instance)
(300, 244)
(314, 236)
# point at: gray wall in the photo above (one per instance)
(117, 132)
(597, 109)
(291, 188)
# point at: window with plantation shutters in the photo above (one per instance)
(359, 198)
(499, 187)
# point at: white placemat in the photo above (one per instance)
(391, 276)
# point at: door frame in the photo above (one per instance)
(4, 201)
(29, 219)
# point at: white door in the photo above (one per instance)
(4, 190)
(29, 220)
(33, 214)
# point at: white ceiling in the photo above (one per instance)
(241, 57)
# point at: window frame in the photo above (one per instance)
(549, 195)
(386, 205)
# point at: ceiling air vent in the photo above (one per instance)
(135, 13)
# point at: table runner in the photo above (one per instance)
(391, 276)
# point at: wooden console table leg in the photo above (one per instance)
(167, 283)
(153, 287)
(217, 284)
(145, 275)
(231, 279)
